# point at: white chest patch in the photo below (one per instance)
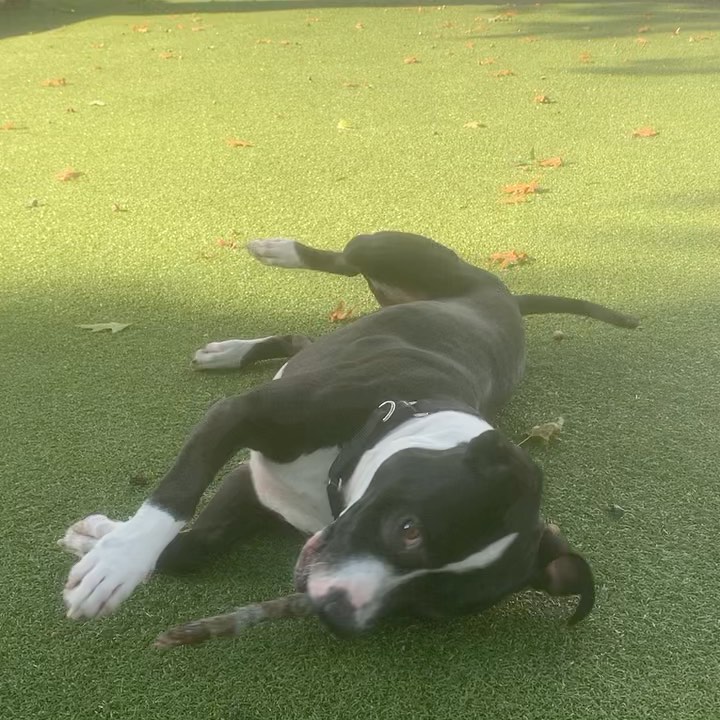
(296, 490)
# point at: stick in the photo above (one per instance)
(232, 624)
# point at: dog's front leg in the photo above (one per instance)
(121, 559)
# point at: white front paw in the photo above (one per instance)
(81, 537)
(118, 563)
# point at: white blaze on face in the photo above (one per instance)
(366, 580)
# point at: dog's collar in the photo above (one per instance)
(382, 421)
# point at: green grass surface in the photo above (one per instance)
(629, 222)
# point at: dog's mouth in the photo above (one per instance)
(306, 560)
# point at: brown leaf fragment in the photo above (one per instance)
(504, 73)
(197, 28)
(263, 41)
(117, 208)
(68, 174)
(509, 258)
(359, 26)
(522, 188)
(474, 124)
(470, 44)
(237, 143)
(551, 162)
(643, 29)
(641, 41)
(543, 100)
(487, 61)
(411, 60)
(644, 132)
(54, 82)
(699, 38)
(9, 125)
(167, 55)
(546, 431)
(340, 312)
(229, 243)
(140, 28)
(586, 57)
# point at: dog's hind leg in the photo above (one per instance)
(398, 267)
(234, 513)
(238, 354)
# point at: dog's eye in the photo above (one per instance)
(410, 533)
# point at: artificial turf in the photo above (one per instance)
(153, 92)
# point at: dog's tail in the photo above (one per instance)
(542, 304)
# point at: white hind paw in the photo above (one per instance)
(281, 252)
(224, 355)
(81, 537)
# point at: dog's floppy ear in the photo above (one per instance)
(560, 571)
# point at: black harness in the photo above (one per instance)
(382, 421)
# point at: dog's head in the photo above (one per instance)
(440, 533)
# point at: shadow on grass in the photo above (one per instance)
(585, 18)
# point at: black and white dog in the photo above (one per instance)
(376, 440)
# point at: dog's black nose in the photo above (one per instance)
(336, 611)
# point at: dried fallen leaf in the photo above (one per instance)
(54, 82)
(509, 258)
(341, 312)
(284, 43)
(585, 57)
(229, 243)
(487, 61)
(411, 60)
(551, 162)
(140, 28)
(546, 431)
(522, 188)
(97, 103)
(359, 26)
(542, 100)
(699, 38)
(642, 41)
(167, 55)
(644, 132)
(344, 124)
(197, 28)
(529, 39)
(474, 124)
(643, 29)
(113, 327)
(237, 143)
(470, 44)
(8, 126)
(263, 41)
(68, 174)
(504, 73)
(116, 207)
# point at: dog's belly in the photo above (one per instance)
(296, 490)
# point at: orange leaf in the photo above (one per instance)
(522, 188)
(411, 60)
(644, 132)
(585, 57)
(487, 61)
(508, 258)
(168, 55)
(140, 28)
(235, 142)
(54, 82)
(341, 312)
(8, 126)
(542, 100)
(504, 73)
(552, 162)
(359, 26)
(68, 174)
(224, 242)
